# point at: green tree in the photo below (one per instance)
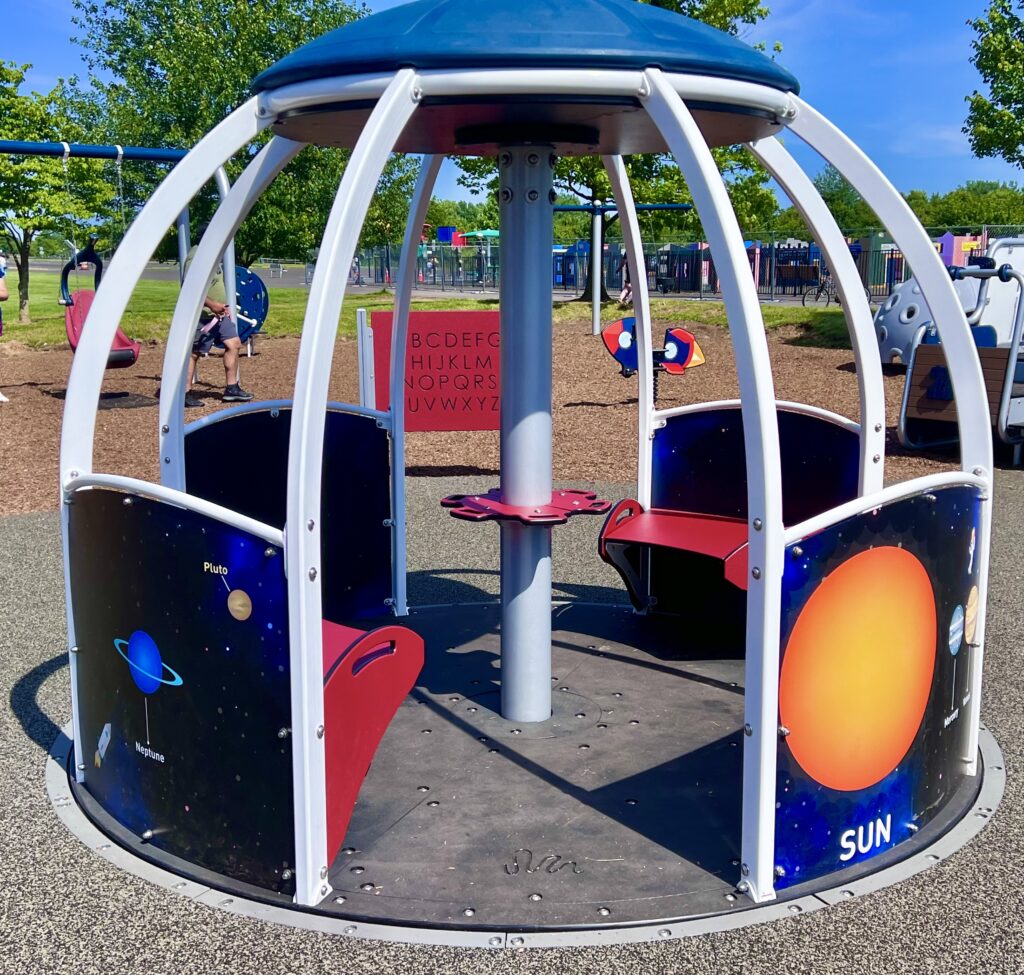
(727, 15)
(165, 74)
(39, 196)
(852, 214)
(995, 122)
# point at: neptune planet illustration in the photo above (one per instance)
(956, 630)
(147, 668)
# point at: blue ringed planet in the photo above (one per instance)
(148, 671)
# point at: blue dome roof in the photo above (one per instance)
(433, 34)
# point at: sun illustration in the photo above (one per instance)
(858, 669)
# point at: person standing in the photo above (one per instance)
(215, 324)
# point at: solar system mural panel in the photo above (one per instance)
(181, 624)
(878, 630)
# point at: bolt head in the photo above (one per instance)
(312, 575)
(755, 572)
(758, 524)
(748, 730)
(320, 731)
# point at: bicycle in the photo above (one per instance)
(824, 293)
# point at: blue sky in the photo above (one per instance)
(892, 73)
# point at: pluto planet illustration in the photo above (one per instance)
(148, 670)
(857, 671)
(239, 604)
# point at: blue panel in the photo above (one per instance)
(699, 464)
(531, 33)
(821, 829)
(183, 683)
(242, 464)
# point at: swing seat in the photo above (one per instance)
(123, 352)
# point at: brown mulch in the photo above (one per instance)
(595, 414)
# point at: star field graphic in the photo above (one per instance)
(878, 617)
(183, 682)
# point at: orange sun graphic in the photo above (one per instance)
(858, 669)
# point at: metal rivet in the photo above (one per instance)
(357, 869)
(74, 650)
(423, 788)
(743, 887)
(747, 730)
(351, 929)
(468, 911)
(323, 873)
(584, 748)
(320, 731)
(282, 733)
(795, 909)
(780, 871)
(505, 159)
(536, 897)
(563, 688)
(73, 475)
(783, 731)
(603, 911)
(532, 159)
(878, 428)
(324, 890)
(876, 458)
(340, 900)
(81, 768)
(425, 731)
(147, 835)
(602, 726)
(494, 942)
(167, 460)
(581, 714)
(517, 731)
(287, 875)
(506, 195)
(312, 575)
(310, 525)
(632, 802)
(533, 196)
(634, 722)
(758, 524)
(552, 196)
(433, 803)
(366, 887)
(349, 850)
(472, 710)
(755, 572)
(730, 898)
(270, 552)
(745, 870)
(797, 552)
(516, 942)
(664, 933)
(165, 429)
(848, 893)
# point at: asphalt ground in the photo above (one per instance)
(63, 909)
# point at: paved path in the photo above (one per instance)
(63, 910)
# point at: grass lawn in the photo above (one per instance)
(149, 313)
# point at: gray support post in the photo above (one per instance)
(596, 268)
(527, 230)
(184, 242)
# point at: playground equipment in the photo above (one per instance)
(793, 705)
(989, 292)
(124, 351)
(680, 351)
(904, 319)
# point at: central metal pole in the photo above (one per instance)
(596, 268)
(527, 229)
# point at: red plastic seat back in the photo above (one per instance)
(123, 351)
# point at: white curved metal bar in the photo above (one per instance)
(764, 476)
(228, 217)
(805, 197)
(305, 460)
(223, 184)
(126, 267)
(936, 286)
(264, 406)
(962, 358)
(528, 81)
(179, 499)
(429, 169)
(784, 405)
(895, 492)
(623, 194)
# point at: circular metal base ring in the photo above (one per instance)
(71, 815)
